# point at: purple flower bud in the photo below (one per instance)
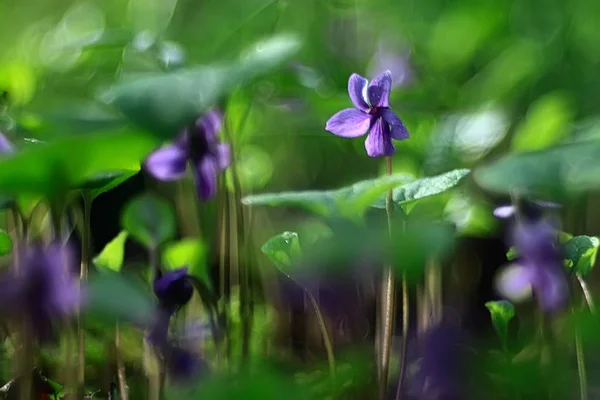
(173, 289)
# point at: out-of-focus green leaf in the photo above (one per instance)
(546, 124)
(59, 166)
(5, 243)
(553, 174)
(283, 250)
(111, 257)
(424, 187)
(512, 253)
(149, 220)
(581, 252)
(190, 253)
(152, 16)
(167, 102)
(317, 201)
(111, 296)
(501, 312)
(263, 384)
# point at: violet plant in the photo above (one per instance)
(333, 286)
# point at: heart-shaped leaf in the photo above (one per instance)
(165, 103)
(112, 296)
(111, 257)
(149, 220)
(283, 250)
(190, 253)
(557, 173)
(51, 168)
(502, 312)
(581, 252)
(424, 187)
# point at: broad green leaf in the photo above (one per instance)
(112, 296)
(554, 174)
(111, 257)
(189, 252)
(501, 312)
(5, 243)
(545, 125)
(316, 201)
(350, 201)
(51, 168)
(149, 219)
(424, 187)
(164, 103)
(283, 250)
(581, 252)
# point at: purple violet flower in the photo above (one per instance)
(540, 265)
(183, 365)
(372, 113)
(199, 146)
(41, 290)
(530, 209)
(6, 147)
(173, 289)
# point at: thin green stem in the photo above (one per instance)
(123, 393)
(581, 370)
(326, 337)
(587, 294)
(153, 370)
(387, 302)
(83, 273)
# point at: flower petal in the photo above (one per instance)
(504, 211)
(398, 130)
(167, 163)
(515, 282)
(223, 155)
(210, 123)
(205, 174)
(379, 141)
(5, 145)
(349, 123)
(379, 90)
(356, 89)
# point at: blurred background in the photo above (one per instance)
(472, 80)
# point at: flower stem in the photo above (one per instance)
(85, 259)
(151, 362)
(581, 370)
(387, 302)
(25, 354)
(326, 336)
(586, 294)
(123, 394)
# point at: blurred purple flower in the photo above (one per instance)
(540, 265)
(395, 62)
(199, 146)
(183, 365)
(173, 289)
(372, 113)
(41, 290)
(5, 145)
(443, 357)
(530, 209)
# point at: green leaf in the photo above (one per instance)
(188, 252)
(164, 103)
(554, 174)
(424, 187)
(149, 220)
(105, 181)
(283, 250)
(581, 252)
(5, 243)
(51, 168)
(111, 296)
(111, 257)
(318, 202)
(350, 201)
(502, 312)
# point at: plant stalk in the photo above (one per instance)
(123, 394)
(387, 302)
(326, 337)
(83, 273)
